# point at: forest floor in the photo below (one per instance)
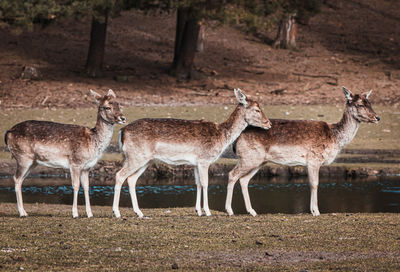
(351, 43)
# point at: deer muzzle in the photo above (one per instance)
(121, 120)
(267, 125)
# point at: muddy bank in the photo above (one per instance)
(104, 172)
(352, 163)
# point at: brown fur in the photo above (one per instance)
(31, 132)
(176, 141)
(63, 146)
(205, 133)
(297, 142)
(292, 132)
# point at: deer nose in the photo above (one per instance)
(123, 119)
(267, 125)
(377, 118)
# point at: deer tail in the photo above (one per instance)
(5, 137)
(121, 139)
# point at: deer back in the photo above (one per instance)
(42, 137)
(161, 135)
(288, 142)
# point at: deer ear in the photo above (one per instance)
(367, 94)
(347, 93)
(111, 93)
(241, 97)
(95, 95)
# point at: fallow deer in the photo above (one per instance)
(175, 141)
(297, 142)
(64, 146)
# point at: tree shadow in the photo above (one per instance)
(362, 29)
(139, 51)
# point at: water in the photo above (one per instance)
(277, 195)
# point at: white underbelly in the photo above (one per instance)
(178, 159)
(287, 155)
(175, 154)
(91, 164)
(55, 163)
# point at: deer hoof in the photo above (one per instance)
(139, 214)
(117, 214)
(230, 212)
(253, 212)
(315, 213)
(23, 214)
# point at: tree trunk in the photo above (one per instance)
(95, 56)
(187, 33)
(286, 37)
(181, 19)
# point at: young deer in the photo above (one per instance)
(297, 142)
(176, 142)
(64, 146)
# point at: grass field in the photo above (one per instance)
(384, 135)
(50, 240)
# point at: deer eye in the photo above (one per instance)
(257, 110)
(107, 108)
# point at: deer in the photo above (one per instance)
(176, 142)
(67, 146)
(308, 143)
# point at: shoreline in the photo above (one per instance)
(104, 172)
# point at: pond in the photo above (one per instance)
(268, 195)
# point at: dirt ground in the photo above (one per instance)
(351, 43)
(178, 239)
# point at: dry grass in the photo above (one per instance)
(383, 135)
(51, 240)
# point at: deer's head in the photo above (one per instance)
(253, 114)
(360, 107)
(109, 108)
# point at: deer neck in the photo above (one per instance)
(346, 129)
(233, 126)
(102, 133)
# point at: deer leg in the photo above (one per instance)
(313, 173)
(239, 171)
(244, 182)
(198, 192)
(203, 176)
(23, 167)
(75, 178)
(85, 185)
(120, 177)
(126, 170)
(132, 179)
(233, 177)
